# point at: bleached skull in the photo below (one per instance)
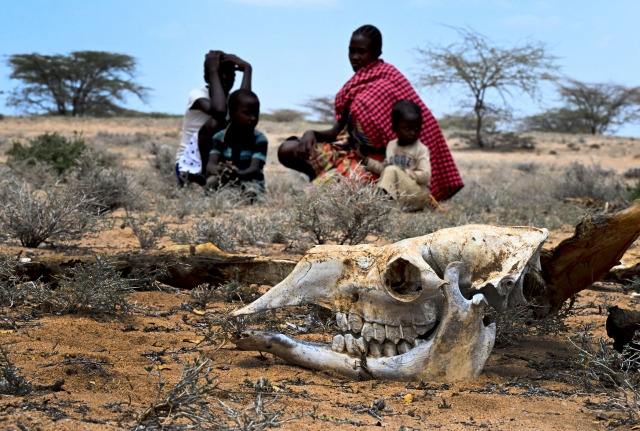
(410, 310)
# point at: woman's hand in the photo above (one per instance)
(307, 148)
(358, 152)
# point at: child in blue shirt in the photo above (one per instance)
(239, 152)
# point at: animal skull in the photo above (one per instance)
(410, 310)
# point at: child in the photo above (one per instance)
(239, 152)
(405, 172)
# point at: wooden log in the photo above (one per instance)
(186, 266)
(598, 244)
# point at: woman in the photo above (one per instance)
(363, 117)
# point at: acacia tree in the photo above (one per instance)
(601, 106)
(322, 107)
(477, 64)
(78, 84)
(558, 120)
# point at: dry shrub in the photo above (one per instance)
(411, 225)
(634, 191)
(87, 289)
(632, 173)
(285, 115)
(22, 171)
(510, 194)
(91, 288)
(217, 233)
(259, 229)
(164, 162)
(188, 404)
(147, 229)
(184, 406)
(598, 368)
(108, 139)
(239, 229)
(54, 213)
(344, 211)
(518, 322)
(109, 188)
(580, 181)
(231, 291)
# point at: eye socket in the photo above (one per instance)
(402, 280)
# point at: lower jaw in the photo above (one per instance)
(428, 361)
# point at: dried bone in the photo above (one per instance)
(405, 311)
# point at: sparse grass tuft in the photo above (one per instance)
(147, 229)
(11, 380)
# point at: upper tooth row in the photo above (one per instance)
(357, 346)
(379, 332)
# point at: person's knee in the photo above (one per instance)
(392, 169)
(391, 173)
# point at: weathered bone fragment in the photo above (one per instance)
(409, 310)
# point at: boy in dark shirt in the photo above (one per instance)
(239, 152)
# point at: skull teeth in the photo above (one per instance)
(338, 344)
(404, 347)
(374, 339)
(390, 349)
(375, 349)
(355, 323)
(393, 333)
(409, 333)
(367, 331)
(341, 321)
(423, 329)
(379, 332)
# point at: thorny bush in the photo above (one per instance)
(54, 213)
(344, 211)
(598, 367)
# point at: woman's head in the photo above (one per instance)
(365, 46)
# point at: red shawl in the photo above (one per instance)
(369, 96)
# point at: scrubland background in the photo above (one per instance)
(153, 357)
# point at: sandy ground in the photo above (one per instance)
(101, 372)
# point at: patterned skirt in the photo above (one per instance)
(338, 158)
